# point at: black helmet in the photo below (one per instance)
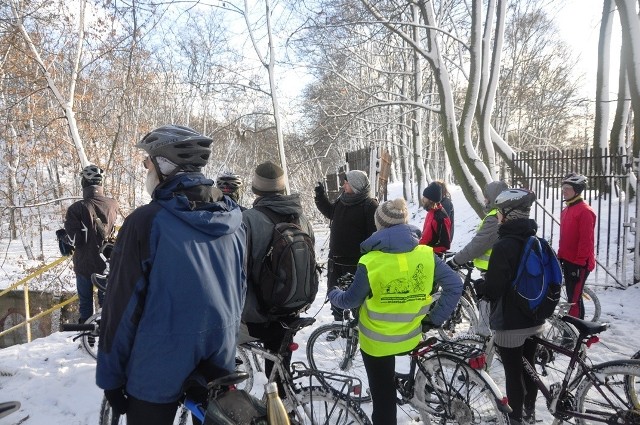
(229, 182)
(577, 181)
(185, 147)
(92, 174)
(515, 199)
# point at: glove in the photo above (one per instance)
(118, 400)
(427, 325)
(319, 189)
(451, 263)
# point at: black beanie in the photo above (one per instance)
(433, 192)
(268, 179)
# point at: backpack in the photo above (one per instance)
(288, 274)
(63, 243)
(536, 288)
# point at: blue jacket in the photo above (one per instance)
(401, 238)
(175, 293)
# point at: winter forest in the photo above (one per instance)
(451, 88)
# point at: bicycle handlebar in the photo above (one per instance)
(79, 327)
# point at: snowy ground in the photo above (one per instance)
(53, 377)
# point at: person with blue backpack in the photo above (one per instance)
(513, 320)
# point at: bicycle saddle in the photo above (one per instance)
(300, 323)
(584, 327)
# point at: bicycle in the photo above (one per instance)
(187, 404)
(311, 396)
(315, 402)
(605, 393)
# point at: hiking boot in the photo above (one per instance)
(333, 335)
(529, 416)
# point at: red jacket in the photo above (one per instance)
(436, 232)
(577, 223)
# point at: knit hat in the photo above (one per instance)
(433, 192)
(391, 213)
(358, 180)
(268, 179)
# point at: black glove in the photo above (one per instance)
(427, 325)
(319, 189)
(118, 400)
(451, 263)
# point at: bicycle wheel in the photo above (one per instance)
(633, 386)
(340, 355)
(90, 339)
(591, 305)
(605, 396)
(107, 416)
(316, 405)
(463, 320)
(453, 393)
(243, 364)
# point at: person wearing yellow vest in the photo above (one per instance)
(392, 287)
(478, 249)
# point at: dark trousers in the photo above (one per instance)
(380, 373)
(574, 285)
(272, 336)
(142, 412)
(521, 389)
(85, 297)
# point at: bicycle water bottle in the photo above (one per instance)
(276, 413)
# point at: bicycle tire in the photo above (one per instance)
(591, 304)
(245, 366)
(463, 320)
(609, 399)
(340, 356)
(452, 392)
(107, 416)
(633, 385)
(317, 405)
(90, 338)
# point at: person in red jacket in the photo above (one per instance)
(576, 246)
(436, 232)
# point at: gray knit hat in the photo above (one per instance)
(391, 213)
(358, 181)
(268, 178)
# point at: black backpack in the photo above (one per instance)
(536, 288)
(288, 275)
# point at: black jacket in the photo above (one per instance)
(81, 227)
(503, 266)
(350, 225)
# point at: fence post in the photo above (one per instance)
(27, 313)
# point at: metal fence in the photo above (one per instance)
(610, 183)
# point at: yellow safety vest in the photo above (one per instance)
(390, 320)
(482, 262)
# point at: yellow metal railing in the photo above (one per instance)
(27, 312)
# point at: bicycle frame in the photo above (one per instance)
(555, 391)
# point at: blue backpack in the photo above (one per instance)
(536, 288)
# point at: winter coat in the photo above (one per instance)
(398, 239)
(577, 244)
(259, 232)
(175, 292)
(487, 233)
(436, 232)
(80, 225)
(350, 225)
(503, 266)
